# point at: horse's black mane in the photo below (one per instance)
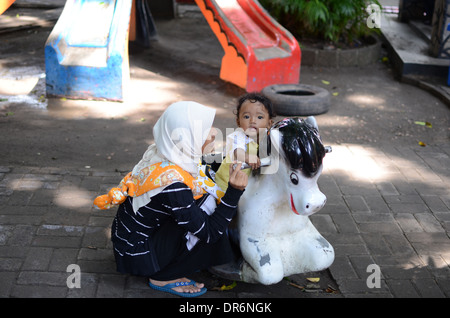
(301, 145)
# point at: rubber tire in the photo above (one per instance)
(306, 100)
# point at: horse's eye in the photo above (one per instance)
(294, 178)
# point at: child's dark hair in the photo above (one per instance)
(253, 98)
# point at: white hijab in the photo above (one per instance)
(179, 136)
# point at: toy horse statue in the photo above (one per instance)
(276, 237)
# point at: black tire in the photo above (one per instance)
(298, 99)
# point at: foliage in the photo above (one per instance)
(331, 20)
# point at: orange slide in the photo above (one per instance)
(258, 51)
(5, 4)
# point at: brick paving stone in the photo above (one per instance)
(379, 227)
(398, 244)
(56, 241)
(402, 288)
(323, 223)
(8, 264)
(38, 291)
(46, 278)
(356, 203)
(38, 258)
(435, 203)
(386, 189)
(345, 223)
(428, 288)
(376, 243)
(8, 280)
(408, 222)
(62, 258)
(335, 205)
(432, 188)
(88, 286)
(377, 204)
(444, 285)
(357, 288)
(429, 222)
(408, 207)
(111, 286)
(350, 249)
(342, 269)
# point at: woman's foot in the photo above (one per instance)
(182, 288)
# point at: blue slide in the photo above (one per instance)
(86, 54)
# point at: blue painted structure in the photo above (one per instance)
(86, 54)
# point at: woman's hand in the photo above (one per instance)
(238, 178)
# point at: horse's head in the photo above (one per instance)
(296, 151)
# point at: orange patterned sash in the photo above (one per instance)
(152, 177)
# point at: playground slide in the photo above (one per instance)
(258, 51)
(86, 54)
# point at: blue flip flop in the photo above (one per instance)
(168, 289)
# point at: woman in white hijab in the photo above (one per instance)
(175, 227)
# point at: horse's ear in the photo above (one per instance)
(312, 122)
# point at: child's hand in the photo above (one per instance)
(253, 161)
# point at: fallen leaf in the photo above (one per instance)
(225, 287)
(331, 290)
(313, 279)
(325, 82)
(335, 94)
(423, 123)
(422, 144)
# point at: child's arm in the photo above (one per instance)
(251, 159)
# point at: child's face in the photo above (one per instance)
(252, 117)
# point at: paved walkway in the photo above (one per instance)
(388, 197)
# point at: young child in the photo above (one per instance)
(254, 114)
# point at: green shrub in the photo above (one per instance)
(337, 21)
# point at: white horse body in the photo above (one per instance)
(277, 239)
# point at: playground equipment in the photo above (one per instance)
(86, 54)
(258, 51)
(5, 4)
(276, 236)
